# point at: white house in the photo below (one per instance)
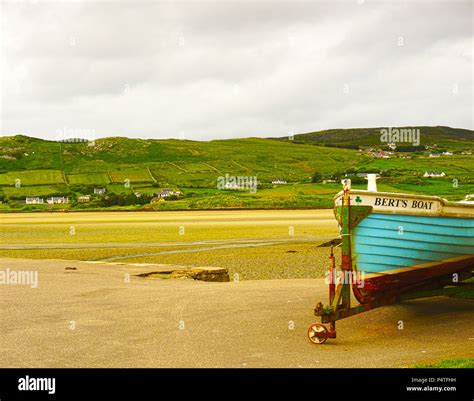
(84, 199)
(34, 200)
(232, 185)
(57, 199)
(279, 181)
(434, 174)
(99, 191)
(380, 154)
(392, 145)
(168, 192)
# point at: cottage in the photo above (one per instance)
(99, 191)
(279, 181)
(447, 153)
(434, 174)
(232, 185)
(381, 154)
(34, 200)
(168, 192)
(84, 199)
(57, 199)
(434, 155)
(392, 145)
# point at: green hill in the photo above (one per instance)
(443, 137)
(188, 163)
(36, 167)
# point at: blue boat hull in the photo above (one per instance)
(385, 243)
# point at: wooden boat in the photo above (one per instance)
(410, 238)
(397, 244)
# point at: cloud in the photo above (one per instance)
(204, 70)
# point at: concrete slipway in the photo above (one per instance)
(95, 317)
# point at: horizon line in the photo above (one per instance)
(81, 139)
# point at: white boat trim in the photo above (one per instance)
(410, 204)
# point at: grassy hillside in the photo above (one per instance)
(170, 162)
(35, 167)
(444, 137)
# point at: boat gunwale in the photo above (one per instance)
(443, 201)
(446, 209)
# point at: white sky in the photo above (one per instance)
(205, 70)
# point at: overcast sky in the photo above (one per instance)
(205, 70)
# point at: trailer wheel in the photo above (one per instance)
(317, 333)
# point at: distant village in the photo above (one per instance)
(157, 197)
(161, 196)
(429, 151)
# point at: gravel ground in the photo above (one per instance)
(95, 317)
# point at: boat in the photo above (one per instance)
(395, 244)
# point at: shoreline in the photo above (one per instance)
(157, 210)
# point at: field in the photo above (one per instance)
(37, 190)
(88, 179)
(34, 177)
(450, 363)
(253, 244)
(118, 188)
(130, 175)
(46, 168)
